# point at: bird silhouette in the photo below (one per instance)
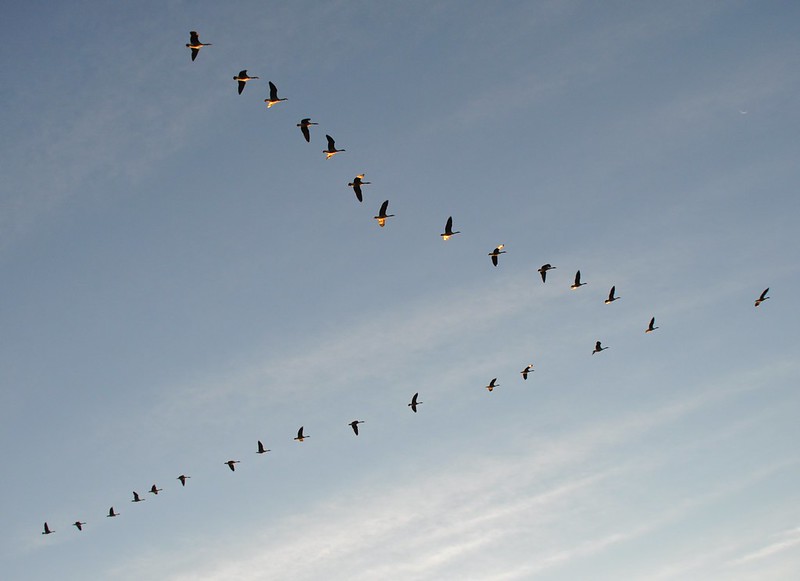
(611, 298)
(47, 530)
(304, 125)
(577, 283)
(136, 498)
(356, 185)
(273, 96)
(331, 151)
(154, 490)
(598, 348)
(232, 464)
(492, 384)
(242, 78)
(448, 230)
(414, 403)
(261, 449)
(526, 371)
(183, 478)
(78, 525)
(111, 512)
(497, 252)
(382, 215)
(354, 425)
(195, 44)
(651, 327)
(763, 297)
(543, 270)
(300, 437)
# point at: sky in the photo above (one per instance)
(183, 275)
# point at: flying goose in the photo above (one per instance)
(155, 490)
(232, 464)
(47, 530)
(497, 252)
(111, 512)
(356, 185)
(577, 283)
(243, 77)
(763, 297)
(78, 524)
(492, 384)
(195, 44)
(382, 215)
(598, 348)
(526, 371)
(414, 403)
(262, 449)
(300, 437)
(304, 125)
(543, 270)
(354, 425)
(183, 478)
(448, 230)
(651, 327)
(611, 298)
(331, 151)
(136, 498)
(273, 96)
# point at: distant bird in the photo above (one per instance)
(497, 252)
(300, 437)
(414, 403)
(262, 449)
(195, 44)
(354, 425)
(136, 498)
(611, 298)
(183, 478)
(577, 283)
(448, 230)
(651, 327)
(47, 530)
(154, 490)
(304, 125)
(492, 384)
(356, 185)
(526, 371)
(543, 270)
(763, 297)
(243, 77)
(331, 151)
(232, 464)
(111, 512)
(382, 215)
(598, 348)
(273, 96)
(78, 524)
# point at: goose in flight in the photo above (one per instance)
(543, 270)
(497, 252)
(243, 77)
(47, 530)
(155, 490)
(577, 283)
(448, 230)
(526, 371)
(304, 125)
(136, 498)
(262, 449)
(356, 185)
(78, 525)
(651, 327)
(414, 403)
(354, 425)
(273, 96)
(331, 151)
(492, 384)
(300, 437)
(763, 297)
(183, 478)
(598, 348)
(232, 464)
(611, 298)
(111, 512)
(382, 215)
(195, 44)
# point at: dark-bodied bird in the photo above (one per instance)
(136, 497)
(382, 215)
(183, 478)
(47, 530)
(356, 185)
(448, 230)
(492, 384)
(497, 252)
(304, 125)
(273, 96)
(232, 464)
(78, 525)
(331, 151)
(155, 490)
(195, 44)
(543, 270)
(242, 78)
(611, 298)
(354, 425)
(111, 512)
(598, 348)
(414, 403)
(526, 371)
(577, 283)
(300, 437)
(763, 297)
(262, 449)
(651, 327)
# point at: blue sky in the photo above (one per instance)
(184, 275)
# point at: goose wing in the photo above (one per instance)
(273, 92)
(331, 143)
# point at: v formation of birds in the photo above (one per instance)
(305, 124)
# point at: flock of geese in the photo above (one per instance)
(242, 79)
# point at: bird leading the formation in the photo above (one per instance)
(232, 464)
(497, 252)
(611, 298)
(448, 230)
(382, 215)
(526, 371)
(155, 490)
(763, 297)
(304, 125)
(543, 270)
(331, 151)
(577, 283)
(354, 425)
(78, 525)
(273, 96)
(242, 78)
(195, 44)
(136, 498)
(262, 449)
(111, 512)
(300, 437)
(651, 327)
(414, 403)
(183, 478)
(598, 348)
(47, 530)
(356, 185)
(492, 384)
